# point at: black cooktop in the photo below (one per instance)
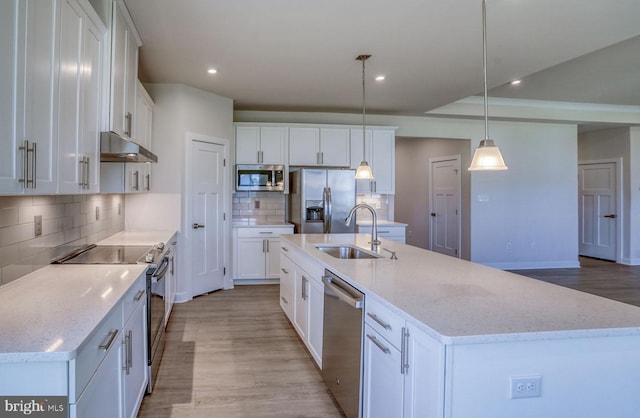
(105, 254)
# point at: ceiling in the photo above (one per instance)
(299, 55)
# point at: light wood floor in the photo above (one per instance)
(599, 277)
(234, 354)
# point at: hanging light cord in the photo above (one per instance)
(364, 109)
(484, 66)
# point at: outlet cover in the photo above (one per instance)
(526, 387)
(37, 225)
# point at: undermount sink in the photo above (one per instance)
(347, 252)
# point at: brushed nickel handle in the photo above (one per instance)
(138, 295)
(109, 340)
(378, 344)
(34, 160)
(376, 318)
(284, 249)
(284, 300)
(285, 271)
(25, 162)
(404, 351)
(610, 216)
(198, 226)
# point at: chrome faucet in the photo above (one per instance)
(374, 226)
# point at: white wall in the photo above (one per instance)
(533, 206)
(178, 109)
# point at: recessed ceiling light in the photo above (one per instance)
(212, 71)
(515, 82)
(380, 78)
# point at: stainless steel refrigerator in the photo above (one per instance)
(320, 200)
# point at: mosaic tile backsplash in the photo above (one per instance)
(67, 222)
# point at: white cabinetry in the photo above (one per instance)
(134, 353)
(319, 146)
(82, 41)
(301, 280)
(390, 232)
(261, 144)
(171, 283)
(125, 42)
(380, 154)
(28, 96)
(256, 254)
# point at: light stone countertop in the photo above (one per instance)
(253, 223)
(142, 237)
(460, 302)
(46, 315)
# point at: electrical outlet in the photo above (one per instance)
(256, 204)
(37, 225)
(526, 387)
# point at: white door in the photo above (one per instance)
(207, 217)
(445, 205)
(597, 210)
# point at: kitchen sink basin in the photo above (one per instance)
(347, 252)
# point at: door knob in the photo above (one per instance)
(611, 216)
(433, 214)
(197, 226)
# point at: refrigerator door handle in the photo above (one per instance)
(328, 210)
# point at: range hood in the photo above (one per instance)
(116, 149)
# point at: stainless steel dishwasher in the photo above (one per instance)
(342, 342)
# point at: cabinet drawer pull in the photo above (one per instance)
(284, 300)
(379, 321)
(138, 295)
(284, 249)
(378, 344)
(266, 232)
(285, 271)
(109, 340)
(404, 353)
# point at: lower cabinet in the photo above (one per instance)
(256, 253)
(134, 361)
(302, 289)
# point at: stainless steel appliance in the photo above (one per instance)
(158, 262)
(320, 199)
(342, 342)
(116, 149)
(259, 177)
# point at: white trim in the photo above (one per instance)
(457, 158)
(630, 261)
(544, 104)
(619, 202)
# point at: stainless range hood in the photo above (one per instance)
(116, 149)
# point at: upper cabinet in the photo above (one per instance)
(261, 144)
(28, 96)
(125, 42)
(319, 146)
(380, 151)
(82, 45)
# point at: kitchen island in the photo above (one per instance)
(496, 344)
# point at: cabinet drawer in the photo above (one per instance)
(386, 322)
(263, 232)
(93, 351)
(134, 296)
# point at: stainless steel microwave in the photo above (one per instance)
(259, 177)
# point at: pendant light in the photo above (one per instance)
(364, 171)
(487, 156)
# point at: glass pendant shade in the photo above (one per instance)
(487, 157)
(364, 171)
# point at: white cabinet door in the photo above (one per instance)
(28, 96)
(287, 286)
(304, 146)
(424, 379)
(301, 311)
(134, 361)
(382, 161)
(335, 147)
(316, 316)
(252, 264)
(272, 258)
(382, 380)
(261, 145)
(80, 81)
(102, 398)
(124, 72)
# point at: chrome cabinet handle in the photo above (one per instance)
(109, 340)
(284, 249)
(378, 344)
(34, 160)
(284, 300)
(285, 271)
(25, 180)
(87, 171)
(128, 352)
(136, 181)
(82, 174)
(404, 351)
(611, 216)
(376, 318)
(25, 162)
(138, 295)
(198, 226)
(267, 241)
(128, 122)
(148, 179)
(304, 286)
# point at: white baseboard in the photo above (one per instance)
(630, 261)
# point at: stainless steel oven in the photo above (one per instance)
(156, 258)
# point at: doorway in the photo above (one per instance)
(206, 203)
(598, 209)
(445, 206)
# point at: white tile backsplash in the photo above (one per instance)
(67, 221)
(271, 206)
